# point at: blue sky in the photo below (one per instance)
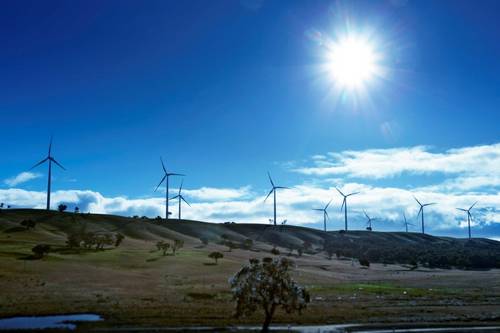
(227, 90)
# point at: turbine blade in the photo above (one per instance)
(53, 160)
(354, 193)
(327, 216)
(342, 194)
(419, 211)
(329, 202)
(269, 194)
(163, 165)
(41, 162)
(417, 200)
(182, 198)
(270, 179)
(283, 187)
(319, 209)
(50, 146)
(366, 215)
(161, 181)
(175, 174)
(343, 203)
(429, 204)
(472, 205)
(180, 188)
(463, 210)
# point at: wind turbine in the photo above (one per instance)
(166, 177)
(344, 204)
(406, 222)
(325, 213)
(469, 216)
(369, 223)
(181, 198)
(50, 159)
(273, 190)
(421, 211)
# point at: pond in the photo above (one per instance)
(43, 322)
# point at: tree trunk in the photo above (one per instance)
(269, 317)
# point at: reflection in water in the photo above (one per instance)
(42, 322)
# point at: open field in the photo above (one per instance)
(134, 284)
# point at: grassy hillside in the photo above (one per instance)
(136, 285)
(381, 247)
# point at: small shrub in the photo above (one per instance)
(364, 262)
(247, 244)
(275, 251)
(204, 240)
(61, 208)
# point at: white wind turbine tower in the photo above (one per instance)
(406, 222)
(166, 177)
(181, 198)
(325, 213)
(421, 211)
(469, 216)
(369, 222)
(273, 190)
(50, 159)
(344, 204)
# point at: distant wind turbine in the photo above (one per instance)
(421, 211)
(50, 159)
(273, 190)
(406, 222)
(181, 198)
(469, 216)
(325, 213)
(166, 177)
(369, 223)
(344, 204)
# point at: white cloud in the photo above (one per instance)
(217, 194)
(23, 177)
(383, 163)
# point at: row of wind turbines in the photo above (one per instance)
(166, 177)
(369, 219)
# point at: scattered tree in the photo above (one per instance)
(61, 208)
(119, 239)
(230, 245)
(275, 251)
(178, 244)
(216, 256)
(40, 250)
(364, 262)
(163, 246)
(247, 244)
(28, 224)
(77, 210)
(267, 285)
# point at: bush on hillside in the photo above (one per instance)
(40, 250)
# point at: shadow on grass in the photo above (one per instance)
(209, 264)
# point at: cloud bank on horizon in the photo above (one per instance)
(453, 178)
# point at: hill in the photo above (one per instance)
(380, 247)
(135, 285)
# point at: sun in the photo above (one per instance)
(352, 62)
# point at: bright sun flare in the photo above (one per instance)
(352, 62)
